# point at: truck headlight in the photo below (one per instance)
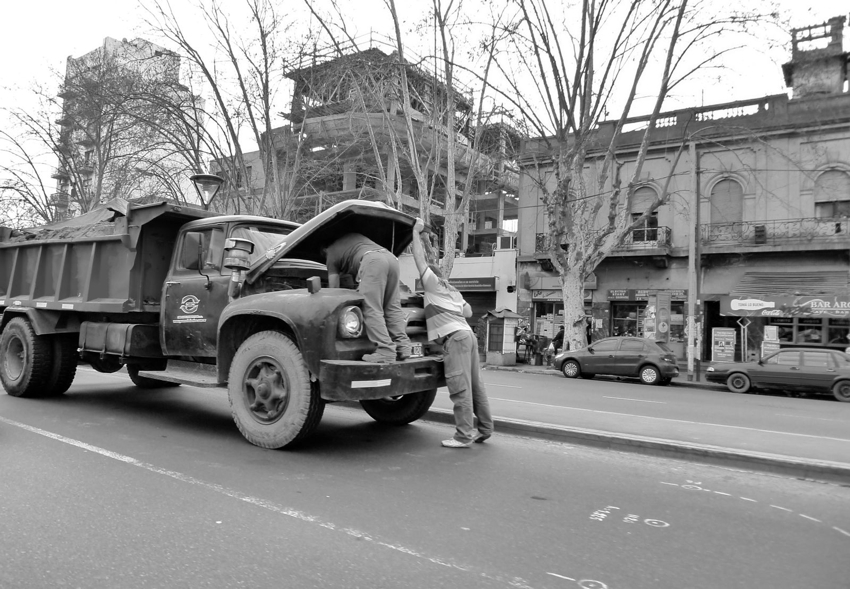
(351, 322)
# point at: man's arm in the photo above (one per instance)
(416, 247)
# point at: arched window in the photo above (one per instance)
(832, 194)
(727, 202)
(642, 199)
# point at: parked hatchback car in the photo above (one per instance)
(793, 369)
(653, 362)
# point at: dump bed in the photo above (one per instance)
(112, 260)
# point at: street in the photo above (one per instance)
(113, 486)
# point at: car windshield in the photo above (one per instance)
(264, 238)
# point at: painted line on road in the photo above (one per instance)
(561, 576)
(814, 519)
(504, 386)
(748, 499)
(258, 502)
(722, 493)
(807, 417)
(667, 419)
(640, 400)
(837, 529)
(782, 508)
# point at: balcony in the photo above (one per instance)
(788, 234)
(60, 173)
(648, 238)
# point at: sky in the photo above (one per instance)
(40, 34)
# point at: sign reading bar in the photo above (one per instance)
(482, 284)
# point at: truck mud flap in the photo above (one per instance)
(344, 380)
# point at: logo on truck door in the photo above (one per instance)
(189, 305)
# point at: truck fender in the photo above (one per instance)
(44, 322)
(236, 328)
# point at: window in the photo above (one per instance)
(839, 332)
(632, 346)
(211, 254)
(809, 331)
(609, 345)
(832, 194)
(784, 359)
(727, 202)
(816, 359)
(642, 200)
(627, 318)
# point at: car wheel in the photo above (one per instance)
(841, 390)
(649, 375)
(571, 369)
(738, 383)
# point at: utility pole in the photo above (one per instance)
(693, 265)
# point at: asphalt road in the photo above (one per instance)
(115, 487)
(811, 428)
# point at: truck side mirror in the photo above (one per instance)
(192, 254)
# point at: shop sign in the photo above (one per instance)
(482, 284)
(643, 294)
(768, 348)
(554, 295)
(723, 344)
(803, 306)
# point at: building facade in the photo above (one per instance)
(769, 219)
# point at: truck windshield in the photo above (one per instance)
(264, 238)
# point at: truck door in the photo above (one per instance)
(194, 294)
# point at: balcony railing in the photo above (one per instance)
(648, 238)
(786, 232)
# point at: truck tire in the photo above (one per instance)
(271, 397)
(144, 382)
(64, 365)
(400, 410)
(25, 359)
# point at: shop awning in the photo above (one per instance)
(837, 307)
(773, 284)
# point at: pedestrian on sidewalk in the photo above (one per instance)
(445, 318)
(375, 269)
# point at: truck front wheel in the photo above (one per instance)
(271, 397)
(400, 410)
(25, 359)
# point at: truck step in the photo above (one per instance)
(191, 373)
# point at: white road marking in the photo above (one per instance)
(257, 502)
(809, 517)
(722, 493)
(748, 499)
(561, 577)
(807, 417)
(782, 508)
(639, 400)
(752, 429)
(504, 386)
(837, 529)
(673, 484)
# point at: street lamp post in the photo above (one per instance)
(207, 186)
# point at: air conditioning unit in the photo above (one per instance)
(507, 242)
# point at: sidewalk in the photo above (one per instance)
(725, 455)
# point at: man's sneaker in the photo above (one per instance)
(455, 444)
(481, 438)
(378, 358)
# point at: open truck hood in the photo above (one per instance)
(382, 224)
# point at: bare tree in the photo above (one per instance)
(586, 61)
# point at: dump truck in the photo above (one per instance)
(177, 295)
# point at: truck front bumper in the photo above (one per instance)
(345, 380)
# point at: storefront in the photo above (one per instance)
(479, 292)
(548, 311)
(628, 310)
(808, 321)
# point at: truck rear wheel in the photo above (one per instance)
(400, 410)
(25, 359)
(64, 365)
(271, 397)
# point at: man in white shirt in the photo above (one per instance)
(445, 318)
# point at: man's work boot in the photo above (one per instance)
(377, 358)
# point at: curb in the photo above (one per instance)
(678, 381)
(822, 470)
